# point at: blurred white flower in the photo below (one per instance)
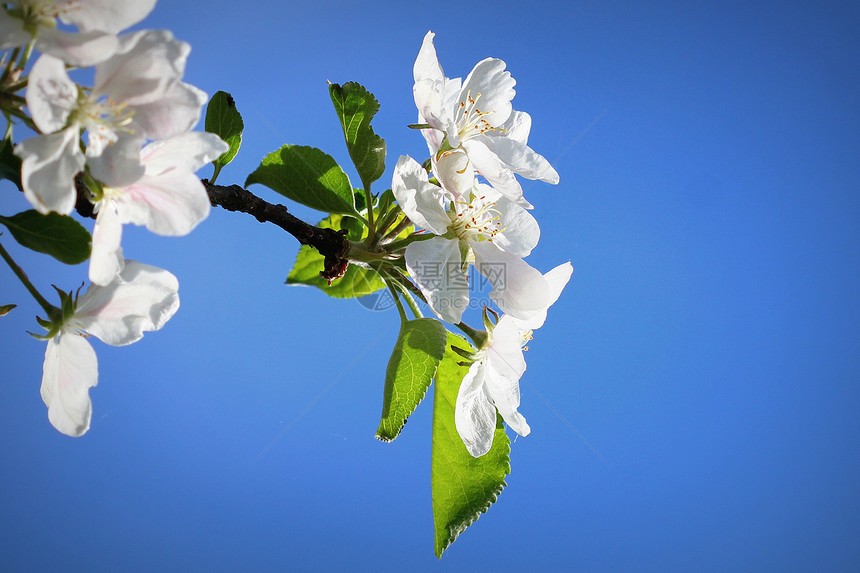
(142, 298)
(98, 22)
(164, 195)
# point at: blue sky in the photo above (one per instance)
(706, 345)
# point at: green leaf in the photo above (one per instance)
(224, 120)
(419, 348)
(357, 281)
(57, 235)
(4, 309)
(463, 487)
(355, 108)
(308, 176)
(10, 164)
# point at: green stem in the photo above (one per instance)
(22, 276)
(478, 337)
(397, 300)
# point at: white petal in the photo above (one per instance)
(107, 15)
(454, 171)
(12, 32)
(556, 280)
(83, 49)
(50, 163)
(188, 151)
(141, 299)
(51, 94)
(523, 160)
(169, 204)
(488, 164)
(427, 63)
(420, 200)
(144, 67)
(521, 231)
(435, 266)
(496, 88)
(106, 260)
(116, 163)
(505, 355)
(474, 414)
(69, 371)
(518, 289)
(517, 127)
(176, 112)
(430, 104)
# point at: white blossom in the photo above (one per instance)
(492, 382)
(476, 117)
(142, 298)
(137, 96)
(164, 195)
(98, 22)
(479, 227)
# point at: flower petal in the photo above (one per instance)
(116, 163)
(169, 204)
(111, 16)
(521, 159)
(420, 200)
(141, 299)
(50, 163)
(521, 231)
(474, 414)
(188, 151)
(454, 171)
(69, 371)
(492, 89)
(82, 49)
(176, 112)
(488, 164)
(427, 63)
(12, 32)
(518, 289)
(435, 266)
(145, 65)
(51, 94)
(556, 280)
(106, 260)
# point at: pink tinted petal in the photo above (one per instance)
(176, 112)
(51, 94)
(50, 163)
(107, 15)
(144, 67)
(188, 152)
(141, 299)
(84, 49)
(106, 260)
(170, 204)
(118, 162)
(474, 414)
(69, 371)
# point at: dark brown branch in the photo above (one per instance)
(331, 244)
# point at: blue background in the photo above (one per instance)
(706, 347)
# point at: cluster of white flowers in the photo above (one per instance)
(139, 162)
(477, 213)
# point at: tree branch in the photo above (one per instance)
(332, 245)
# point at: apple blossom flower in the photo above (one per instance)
(142, 298)
(481, 228)
(137, 95)
(98, 22)
(492, 382)
(476, 117)
(161, 193)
